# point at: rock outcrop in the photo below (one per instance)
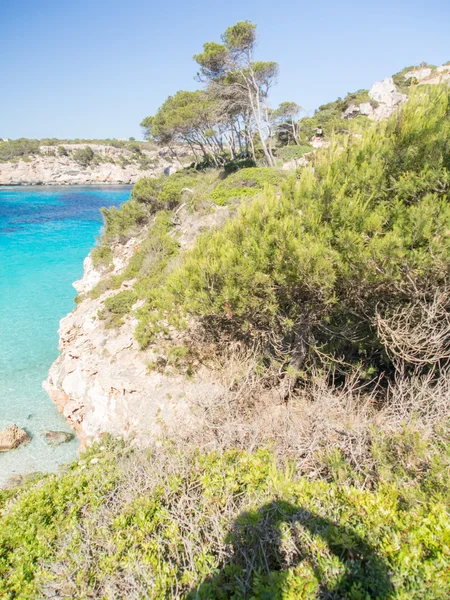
(113, 166)
(386, 97)
(12, 437)
(101, 381)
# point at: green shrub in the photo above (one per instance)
(363, 232)
(101, 255)
(62, 151)
(117, 306)
(163, 193)
(238, 163)
(124, 523)
(121, 222)
(84, 156)
(17, 148)
(246, 183)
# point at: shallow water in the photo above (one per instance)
(45, 234)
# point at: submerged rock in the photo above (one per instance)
(55, 438)
(13, 481)
(12, 437)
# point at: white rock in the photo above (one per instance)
(365, 108)
(385, 92)
(419, 74)
(351, 112)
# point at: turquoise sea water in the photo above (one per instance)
(45, 234)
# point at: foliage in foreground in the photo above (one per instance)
(171, 524)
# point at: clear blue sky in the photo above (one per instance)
(96, 68)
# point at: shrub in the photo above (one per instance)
(238, 163)
(116, 307)
(18, 148)
(287, 153)
(246, 183)
(101, 255)
(127, 522)
(363, 232)
(163, 193)
(121, 222)
(62, 151)
(84, 156)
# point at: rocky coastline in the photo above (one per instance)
(112, 166)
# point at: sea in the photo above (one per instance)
(45, 234)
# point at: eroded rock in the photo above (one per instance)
(12, 437)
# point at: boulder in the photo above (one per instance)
(385, 92)
(12, 437)
(418, 74)
(366, 109)
(351, 112)
(55, 438)
(295, 162)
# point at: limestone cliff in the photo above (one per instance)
(101, 381)
(110, 166)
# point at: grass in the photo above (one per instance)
(246, 183)
(287, 153)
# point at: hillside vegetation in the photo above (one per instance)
(321, 270)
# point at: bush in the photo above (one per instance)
(246, 183)
(362, 233)
(238, 163)
(17, 148)
(84, 156)
(127, 522)
(62, 151)
(163, 193)
(116, 307)
(121, 222)
(101, 255)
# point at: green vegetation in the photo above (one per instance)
(287, 153)
(117, 306)
(351, 241)
(121, 222)
(164, 193)
(329, 117)
(13, 149)
(84, 156)
(233, 524)
(404, 84)
(246, 183)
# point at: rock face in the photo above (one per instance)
(101, 381)
(116, 166)
(12, 437)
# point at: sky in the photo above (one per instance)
(95, 69)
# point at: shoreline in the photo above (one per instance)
(65, 184)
